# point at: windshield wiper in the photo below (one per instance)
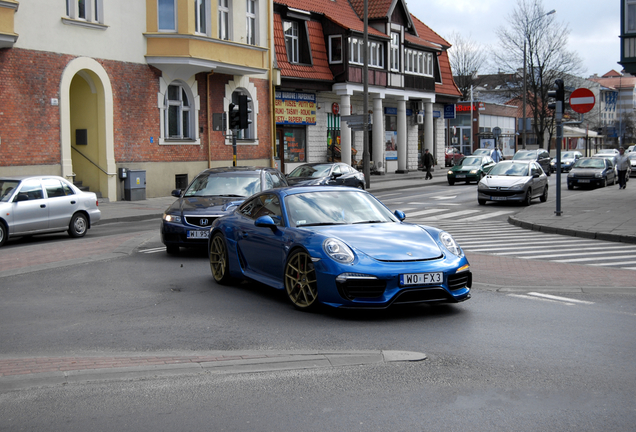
(232, 195)
(321, 224)
(369, 222)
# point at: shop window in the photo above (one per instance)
(295, 144)
(167, 15)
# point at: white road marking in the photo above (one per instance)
(565, 299)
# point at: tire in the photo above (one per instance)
(544, 196)
(4, 234)
(300, 281)
(481, 201)
(528, 200)
(451, 182)
(604, 184)
(570, 186)
(219, 264)
(78, 226)
(172, 250)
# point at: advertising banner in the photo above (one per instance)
(294, 108)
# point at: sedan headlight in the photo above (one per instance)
(449, 243)
(338, 251)
(450, 172)
(171, 218)
(473, 171)
(517, 187)
(598, 175)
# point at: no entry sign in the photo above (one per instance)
(582, 100)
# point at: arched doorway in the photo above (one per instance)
(86, 117)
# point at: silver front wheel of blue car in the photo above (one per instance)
(300, 280)
(218, 260)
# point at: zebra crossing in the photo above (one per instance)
(503, 239)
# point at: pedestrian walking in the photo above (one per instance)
(499, 154)
(622, 165)
(429, 161)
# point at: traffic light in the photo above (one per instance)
(558, 94)
(244, 112)
(233, 115)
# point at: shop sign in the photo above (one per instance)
(393, 111)
(294, 108)
(477, 106)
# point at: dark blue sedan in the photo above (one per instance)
(339, 247)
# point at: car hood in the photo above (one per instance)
(566, 160)
(586, 171)
(504, 181)
(205, 205)
(387, 241)
(465, 167)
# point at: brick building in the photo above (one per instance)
(91, 87)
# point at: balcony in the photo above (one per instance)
(8, 37)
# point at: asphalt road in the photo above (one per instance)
(522, 360)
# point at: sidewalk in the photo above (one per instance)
(613, 217)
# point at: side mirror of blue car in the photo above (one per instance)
(265, 222)
(400, 215)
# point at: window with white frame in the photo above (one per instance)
(245, 134)
(291, 40)
(85, 10)
(418, 62)
(224, 19)
(395, 52)
(251, 22)
(201, 8)
(630, 16)
(375, 55)
(335, 49)
(178, 113)
(167, 15)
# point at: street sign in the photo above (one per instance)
(356, 122)
(496, 131)
(582, 100)
(449, 111)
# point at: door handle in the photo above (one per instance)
(42, 205)
(243, 234)
(72, 202)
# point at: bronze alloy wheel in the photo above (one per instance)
(218, 259)
(300, 280)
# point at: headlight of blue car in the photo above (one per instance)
(338, 251)
(171, 218)
(449, 243)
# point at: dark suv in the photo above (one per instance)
(213, 193)
(541, 157)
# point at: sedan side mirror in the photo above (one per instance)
(176, 193)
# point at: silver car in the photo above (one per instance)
(514, 180)
(44, 204)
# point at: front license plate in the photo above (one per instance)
(497, 198)
(421, 278)
(584, 181)
(198, 234)
(461, 176)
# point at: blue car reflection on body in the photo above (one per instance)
(339, 247)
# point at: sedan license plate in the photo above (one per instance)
(584, 181)
(461, 176)
(421, 278)
(198, 234)
(498, 198)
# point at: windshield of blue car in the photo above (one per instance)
(335, 208)
(510, 169)
(525, 156)
(304, 171)
(6, 189)
(470, 161)
(590, 163)
(224, 185)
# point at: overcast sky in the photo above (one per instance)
(594, 25)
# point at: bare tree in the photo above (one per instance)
(547, 58)
(466, 59)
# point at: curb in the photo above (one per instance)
(514, 220)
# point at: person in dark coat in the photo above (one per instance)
(429, 161)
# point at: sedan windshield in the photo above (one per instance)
(311, 171)
(224, 185)
(335, 208)
(510, 169)
(568, 155)
(525, 156)
(6, 189)
(470, 161)
(590, 163)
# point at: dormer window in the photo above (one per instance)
(395, 52)
(297, 42)
(418, 62)
(376, 52)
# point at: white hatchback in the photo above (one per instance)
(44, 204)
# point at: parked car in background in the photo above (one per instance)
(592, 171)
(567, 160)
(514, 180)
(541, 157)
(631, 148)
(44, 204)
(483, 152)
(632, 161)
(470, 168)
(339, 247)
(332, 174)
(212, 194)
(452, 156)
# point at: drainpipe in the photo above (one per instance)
(272, 90)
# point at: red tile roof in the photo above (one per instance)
(319, 70)
(375, 8)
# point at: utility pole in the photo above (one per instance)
(559, 95)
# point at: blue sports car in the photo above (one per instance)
(339, 247)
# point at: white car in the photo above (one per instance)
(632, 162)
(44, 204)
(631, 149)
(514, 180)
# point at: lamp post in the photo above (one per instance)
(523, 125)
